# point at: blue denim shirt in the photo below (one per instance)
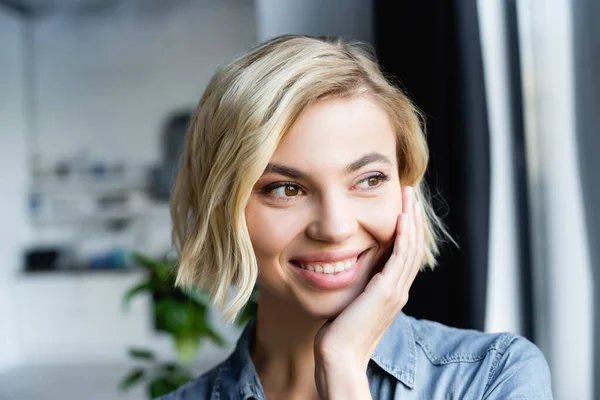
(415, 359)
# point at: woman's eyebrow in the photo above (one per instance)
(367, 159)
(285, 171)
(354, 166)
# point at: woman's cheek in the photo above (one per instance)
(381, 219)
(271, 230)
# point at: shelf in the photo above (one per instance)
(100, 216)
(83, 272)
(81, 184)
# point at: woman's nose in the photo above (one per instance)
(333, 223)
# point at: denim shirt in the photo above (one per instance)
(415, 359)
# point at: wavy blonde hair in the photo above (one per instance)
(247, 108)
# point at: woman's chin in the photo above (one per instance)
(329, 307)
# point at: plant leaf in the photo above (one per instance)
(254, 295)
(160, 386)
(214, 336)
(175, 317)
(179, 379)
(249, 310)
(175, 372)
(246, 313)
(187, 347)
(131, 378)
(160, 268)
(199, 296)
(141, 354)
(147, 261)
(139, 288)
(171, 368)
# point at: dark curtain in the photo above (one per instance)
(432, 49)
(520, 178)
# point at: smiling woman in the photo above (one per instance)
(302, 172)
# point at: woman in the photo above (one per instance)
(303, 171)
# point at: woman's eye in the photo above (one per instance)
(372, 181)
(286, 191)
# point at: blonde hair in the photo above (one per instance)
(247, 108)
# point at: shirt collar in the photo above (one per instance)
(237, 378)
(396, 354)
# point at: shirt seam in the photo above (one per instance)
(216, 394)
(498, 345)
(496, 361)
(403, 373)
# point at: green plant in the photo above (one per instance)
(181, 314)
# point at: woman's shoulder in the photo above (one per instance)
(232, 378)
(235, 377)
(509, 364)
(198, 388)
(442, 344)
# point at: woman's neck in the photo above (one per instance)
(283, 351)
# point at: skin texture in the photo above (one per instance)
(312, 200)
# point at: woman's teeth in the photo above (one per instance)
(329, 268)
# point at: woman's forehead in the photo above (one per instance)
(337, 132)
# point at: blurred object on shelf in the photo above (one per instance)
(174, 134)
(47, 258)
(95, 193)
(114, 259)
(66, 259)
(162, 177)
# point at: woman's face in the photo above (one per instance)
(322, 217)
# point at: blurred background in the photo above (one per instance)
(95, 97)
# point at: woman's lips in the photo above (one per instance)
(333, 267)
(331, 274)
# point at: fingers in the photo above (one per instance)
(394, 266)
(401, 256)
(419, 248)
(407, 255)
(401, 241)
(408, 206)
(419, 236)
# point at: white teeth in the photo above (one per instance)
(328, 269)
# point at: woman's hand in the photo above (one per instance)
(343, 347)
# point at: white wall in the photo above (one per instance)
(13, 172)
(348, 18)
(104, 84)
(78, 319)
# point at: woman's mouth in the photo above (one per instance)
(333, 273)
(328, 268)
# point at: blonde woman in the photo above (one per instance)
(303, 172)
